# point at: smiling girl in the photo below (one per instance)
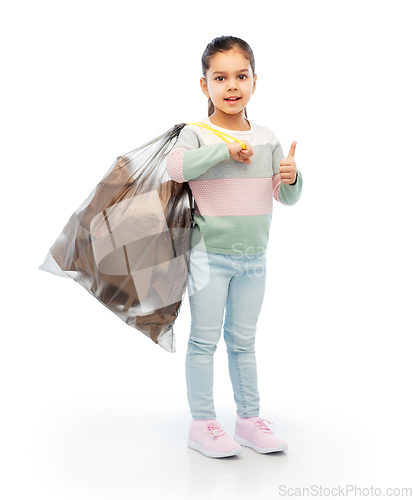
(233, 188)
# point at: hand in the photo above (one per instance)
(237, 153)
(288, 168)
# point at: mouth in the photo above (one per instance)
(232, 99)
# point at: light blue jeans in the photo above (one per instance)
(236, 284)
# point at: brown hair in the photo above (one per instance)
(223, 44)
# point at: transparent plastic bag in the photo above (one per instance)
(128, 244)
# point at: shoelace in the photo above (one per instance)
(215, 429)
(260, 424)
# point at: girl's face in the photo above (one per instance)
(229, 75)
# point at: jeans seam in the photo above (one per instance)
(241, 385)
(191, 338)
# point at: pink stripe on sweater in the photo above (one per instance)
(276, 182)
(174, 164)
(220, 197)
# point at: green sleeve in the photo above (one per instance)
(197, 161)
(291, 193)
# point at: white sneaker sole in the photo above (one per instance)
(212, 454)
(249, 444)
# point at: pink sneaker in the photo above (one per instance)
(252, 432)
(209, 438)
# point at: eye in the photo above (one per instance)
(219, 77)
(245, 76)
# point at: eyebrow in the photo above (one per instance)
(224, 72)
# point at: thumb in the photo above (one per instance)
(292, 149)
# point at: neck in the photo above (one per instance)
(231, 122)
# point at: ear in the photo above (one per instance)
(255, 83)
(204, 86)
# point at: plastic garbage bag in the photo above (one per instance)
(128, 244)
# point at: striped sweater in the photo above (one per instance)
(233, 200)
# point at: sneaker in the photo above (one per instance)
(209, 438)
(253, 432)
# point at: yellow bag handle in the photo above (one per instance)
(219, 133)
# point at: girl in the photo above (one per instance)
(233, 189)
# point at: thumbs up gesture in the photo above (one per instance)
(288, 168)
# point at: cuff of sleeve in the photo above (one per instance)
(225, 151)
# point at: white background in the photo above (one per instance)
(92, 409)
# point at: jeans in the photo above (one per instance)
(236, 284)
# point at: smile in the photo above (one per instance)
(233, 101)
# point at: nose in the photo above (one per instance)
(232, 84)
